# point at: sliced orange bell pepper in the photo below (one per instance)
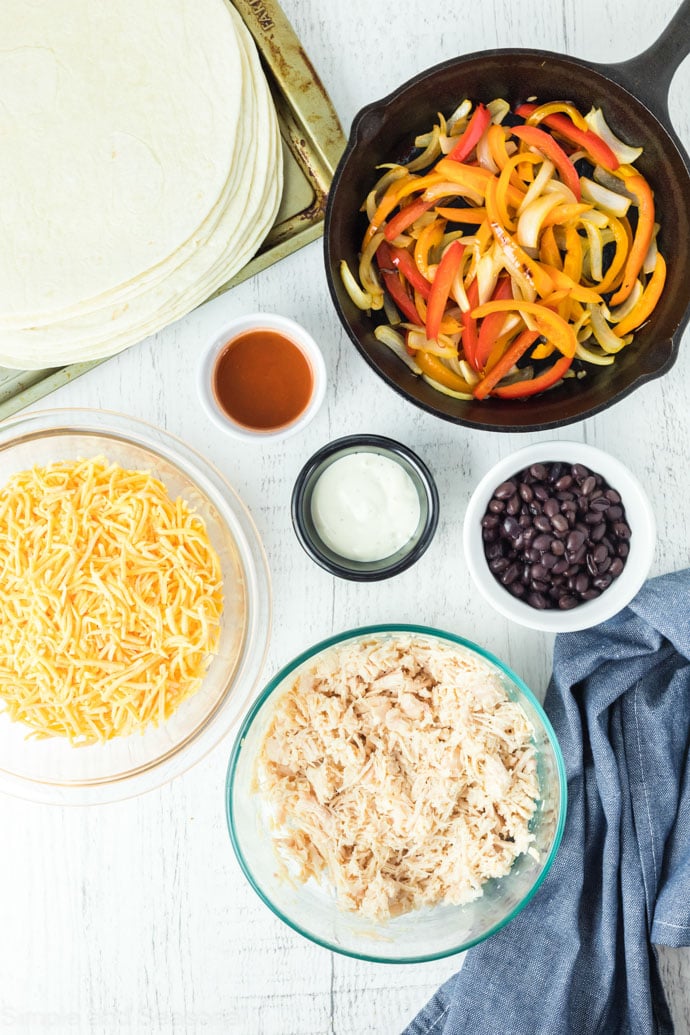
(434, 368)
(462, 215)
(506, 363)
(492, 325)
(565, 213)
(430, 236)
(572, 263)
(496, 138)
(617, 263)
(553, 327)
(548, 249)
(647, 302)
(644, 231)
(440, 287)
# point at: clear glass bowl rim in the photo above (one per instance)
(305, 656)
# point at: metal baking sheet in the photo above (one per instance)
(312, 140)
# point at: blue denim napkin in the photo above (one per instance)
(579, 959)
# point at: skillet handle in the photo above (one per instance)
(649, 75)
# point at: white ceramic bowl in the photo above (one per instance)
(251, 322)
(639, 516)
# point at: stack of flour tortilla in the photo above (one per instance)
(140, 169)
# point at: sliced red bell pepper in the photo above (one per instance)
(589, 141)
(406, 217)
(508, 360)
(470, 336)
(533, 385)
(403, 261)
(440, 287)
(491, 325)
(481, 117)
(393, 286)
(644, 231)
(539, 138)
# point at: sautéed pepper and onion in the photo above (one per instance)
(515, 249)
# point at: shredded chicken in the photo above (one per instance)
(398, 769)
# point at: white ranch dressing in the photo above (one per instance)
(365, 506)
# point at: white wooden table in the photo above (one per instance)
(135, 917)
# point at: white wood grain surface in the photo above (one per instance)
(135, 917)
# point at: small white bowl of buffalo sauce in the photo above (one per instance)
(261, 377)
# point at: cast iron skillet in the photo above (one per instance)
(634, 97)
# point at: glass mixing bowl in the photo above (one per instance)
(52, 770)
(423, 934)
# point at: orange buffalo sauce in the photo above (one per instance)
(262, 380)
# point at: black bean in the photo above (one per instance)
(538, 471)
(535, 508)
(569, 507)
(511, 574)
(542, 542)
(567, 601)
(541, 492)
(511, 527)
(539, 586)
(490, 521)
(580, 583)
(600, 553)
(605, 564)
(517, 589)
(538, 571)
(579, 471)
(599, 505)
(537, 600)
(551, 508)
(505, 490)
(498, 564)
(612, 496)
(555, 472)
(529, 534)
(621, 530)
(548, 560)
(557, 547)
(616, 567)
(542, 523)
(513, 505)
(494, 550)
(592, 518)
(588, 485)
(591, 564)
(623, 550)
(525, 521)
(564, 482)
(615, 513)
(532, 555)
(602, 581)
(519, 542)
(591, 594)
(575, 540)
(559, 568)
(526, 492)
(598, 532)
(497, 506)
(559, 523)
(489, 535)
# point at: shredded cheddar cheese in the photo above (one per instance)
(110, 600)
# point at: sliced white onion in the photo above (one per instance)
(531, 220)
(596, 251)
(417, 339)
(487, 275)
(598, 219)
(599, 359)
(649, 264)
(622, 310)
(461, 112)
(623, 152)
(498, 109)
(362, 299)
(608, 200)
(458, 292)
(430, 153)
(466, 371)
(484, 156)
(613, 182)
(444, 190)
(537, 185)
(609, 341)
(558, 187)
(395, 342)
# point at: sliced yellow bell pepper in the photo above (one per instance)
(647, 301)
(438, 371)
(552, 326)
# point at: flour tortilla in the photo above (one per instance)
(224, 239)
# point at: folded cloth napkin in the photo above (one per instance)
(579, 959)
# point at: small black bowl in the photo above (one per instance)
(343, 567)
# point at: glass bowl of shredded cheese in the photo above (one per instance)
(396, 794)
(134, 606)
